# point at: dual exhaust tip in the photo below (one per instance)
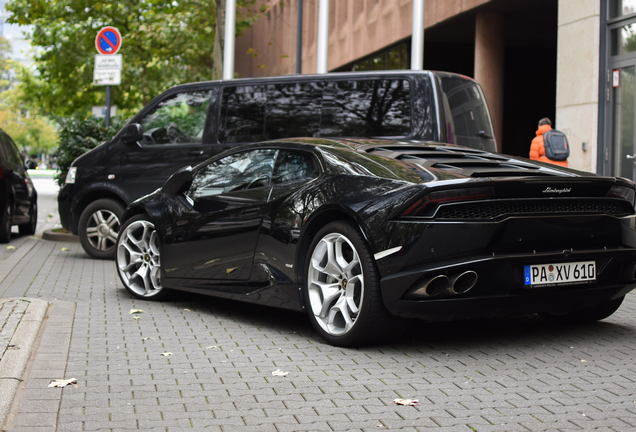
(433, 286)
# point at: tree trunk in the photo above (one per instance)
(217, 49)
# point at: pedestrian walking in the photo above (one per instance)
(550, 145)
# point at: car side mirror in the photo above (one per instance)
(178, 181)
(132, 133)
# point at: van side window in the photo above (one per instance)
(293, 110)
(178, 119)
(243, 114)
(369, 108)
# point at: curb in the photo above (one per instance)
(18, 352)
(61, 237)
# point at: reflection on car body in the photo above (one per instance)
(360, 232)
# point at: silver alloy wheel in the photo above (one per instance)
(102, 229)
(335, 284)
(138, 258)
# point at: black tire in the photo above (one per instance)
(587, 315)
(138, 259)
(99, 226)
(5, 224)
(29, 227)
(370, 321)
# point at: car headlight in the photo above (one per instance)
(70, 176)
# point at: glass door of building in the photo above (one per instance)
(620, 155)
(623, 119)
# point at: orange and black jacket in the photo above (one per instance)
(537, 148)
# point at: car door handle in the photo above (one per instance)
(249, 213)
(630, 156)
(195, 153)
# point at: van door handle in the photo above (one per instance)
(195, 152)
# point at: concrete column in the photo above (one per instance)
(489, 65)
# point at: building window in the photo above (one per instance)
(389, 59)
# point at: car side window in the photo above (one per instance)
(238, 171)
(294, 167)
(178, 119)
(12, 154)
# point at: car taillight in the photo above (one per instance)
(421, 206)
(1, 172)
(622, 192)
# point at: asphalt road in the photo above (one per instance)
(199, 363)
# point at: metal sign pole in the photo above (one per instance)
(323, 36)
(107, 116)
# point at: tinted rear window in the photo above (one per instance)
(370, 108)
(467, 117)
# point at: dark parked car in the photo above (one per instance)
(18, 198)
(190, 123)
(358, 232)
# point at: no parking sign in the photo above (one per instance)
(108, 41)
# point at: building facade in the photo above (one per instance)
(534, 59)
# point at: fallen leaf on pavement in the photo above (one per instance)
(136, 317)
(146, 338)
(10, 247)
(65, 249)
(279, 372)
(63, 383)
(166, 354)
(187, 310)
(406, 402)
(136, 311)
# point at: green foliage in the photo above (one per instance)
(32, 134)
(5, 64)
(163, 43)
(77, 136)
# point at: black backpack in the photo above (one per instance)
(556, 145)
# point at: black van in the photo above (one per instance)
(189, 123)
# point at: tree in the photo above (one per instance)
(34, 135)
(5, 64)
(164, 43)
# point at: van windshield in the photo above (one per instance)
(466, 113)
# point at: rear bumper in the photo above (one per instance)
(500, 288)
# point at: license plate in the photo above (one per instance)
(561, 273)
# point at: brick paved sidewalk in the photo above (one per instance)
(513, 374)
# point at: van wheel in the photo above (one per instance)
(5, 224)
(29, 227)
(99, 226)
